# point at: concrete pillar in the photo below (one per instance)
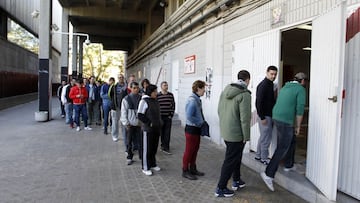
(74, 56)
(45, 69)
(65, 46)
(81, 49)
(3, 24)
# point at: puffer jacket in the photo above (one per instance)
(75, 91)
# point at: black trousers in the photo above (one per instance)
(132, 134)
(232, 162)
(149, 145)
(166, 132)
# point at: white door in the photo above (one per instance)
(255, 54)
(326, 72)
(175, 83)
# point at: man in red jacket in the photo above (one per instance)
(79, 95)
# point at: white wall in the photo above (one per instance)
(22, 10)
(349, 176)
(218, 50)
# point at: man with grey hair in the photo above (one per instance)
(116, 94)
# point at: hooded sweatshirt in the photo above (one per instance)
(290, 103)
(234, 112)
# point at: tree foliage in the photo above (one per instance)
(101, 63)
(22, 37)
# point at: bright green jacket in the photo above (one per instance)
(234, 112)
(290, 103)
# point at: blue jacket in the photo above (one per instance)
(104, 94)
(96, 91)
(193, 111)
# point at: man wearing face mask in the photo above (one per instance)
(289, 109)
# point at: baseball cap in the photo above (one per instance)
(301, 76)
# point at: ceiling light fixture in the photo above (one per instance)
(35, 14)
(163, 3)
(305, 27)
(54, 27)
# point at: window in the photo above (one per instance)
(22, 37)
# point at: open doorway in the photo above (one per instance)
(295, 57)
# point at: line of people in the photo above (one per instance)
(285, 111)
(145, 115)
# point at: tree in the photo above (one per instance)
(101, 63)
(22, 37)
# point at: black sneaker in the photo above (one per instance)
(223, 192)
(238, 184)
(188, 175)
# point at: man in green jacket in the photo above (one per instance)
(234, 114)
(288, 109)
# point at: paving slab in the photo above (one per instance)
(49, 162)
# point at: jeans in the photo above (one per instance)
(265, 138)
(290, 155)
(124, 134)
(80, 108)
(192, 145)
(115, 117)
(232, 162)
(285, 133)
(165, 132)
(69, 113)
(93, 111)
(106, 110)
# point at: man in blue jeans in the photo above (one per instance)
(289, 108)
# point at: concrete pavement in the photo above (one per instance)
(49, 162)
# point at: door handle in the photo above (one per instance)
(333, 99)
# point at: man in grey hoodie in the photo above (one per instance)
(234, 111)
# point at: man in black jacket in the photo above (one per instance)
(149, 115)
(265, 101)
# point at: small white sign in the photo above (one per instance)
(189, 64)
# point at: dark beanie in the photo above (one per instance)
(151, 88)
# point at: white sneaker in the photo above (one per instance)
(265, 161)
(156, 168)
(290, 169)
(129, 161)
(147, 172)
(268, 181)
(87, 128)
(78, 128)
(115, 139)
